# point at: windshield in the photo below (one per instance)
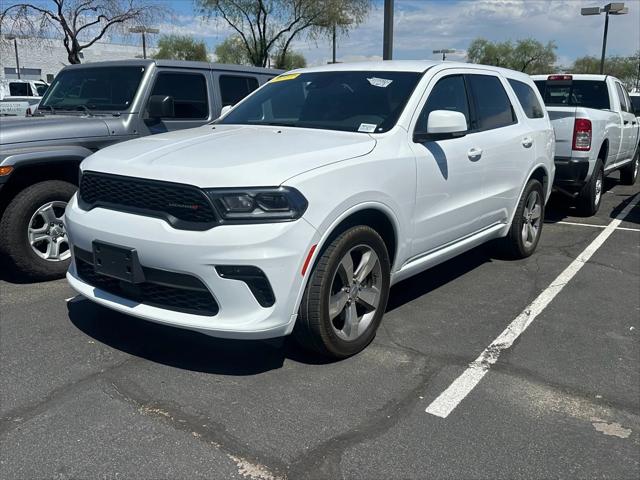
(368, 102)
(94, 88)
(578, 93)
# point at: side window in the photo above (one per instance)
(19, 89)
(42, 88)
(623, 101)
(448, 94)
(234, 88)
(493, 108)
(189, 92)
(527, 98)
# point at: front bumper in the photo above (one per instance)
(278, 249)
(571, 172)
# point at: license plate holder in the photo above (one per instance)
(117, 262)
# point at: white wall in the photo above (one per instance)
(50, 56)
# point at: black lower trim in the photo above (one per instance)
(571, 172)
(163, 289)
(255, 279)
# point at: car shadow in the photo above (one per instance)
(560, 206)
(194, 351)
(184, 349)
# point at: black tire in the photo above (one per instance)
(629, 173)
(314, 330)
(14, 225)
(588, 201)
(514, 245)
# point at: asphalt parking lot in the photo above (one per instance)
(87, 393)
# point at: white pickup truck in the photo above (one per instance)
(20, 97)
(596, 134)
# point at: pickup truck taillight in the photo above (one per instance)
(581, 134)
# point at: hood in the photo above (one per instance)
(50, 127)
(229, 155)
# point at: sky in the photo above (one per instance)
(421, 26)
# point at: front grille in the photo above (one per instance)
(195, 299)
(183, 206)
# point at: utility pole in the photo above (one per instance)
(334, 44)
(144, 31)
(613, 8)
(387, 43)
(15, 46)
(444, 52)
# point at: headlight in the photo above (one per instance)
(258, 204)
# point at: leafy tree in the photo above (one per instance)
(181, 47)
(232, 51)
(81, 23)
(265, 26)
(290, 60)
(528, 55)
(627, 69)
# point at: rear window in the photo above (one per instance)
(493, 108)
(527, 98)
(576, 93)
(19, 89)
(234, 88)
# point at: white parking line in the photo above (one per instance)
(448, 400)
(629, 229)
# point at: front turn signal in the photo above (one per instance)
(5, 171)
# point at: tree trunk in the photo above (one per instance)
(73, 50)
(73, 57)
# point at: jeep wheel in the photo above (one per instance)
(34, 238)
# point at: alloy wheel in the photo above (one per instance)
(355, 292)
(598, 195)
(532, 216)
(46, 233)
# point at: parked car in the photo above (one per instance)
(20, 97)
(596, 134)
(87, 108)
(298, 209)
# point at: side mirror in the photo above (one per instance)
(161, 106)
(443, 124)
(225, 110)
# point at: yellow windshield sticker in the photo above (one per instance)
(283, 78)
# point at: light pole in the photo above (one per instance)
(15, 46)
(614, 8)
(444, 52)
(387, 43)
(143, 31)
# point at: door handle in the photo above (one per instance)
(474, 154)
(527, 142)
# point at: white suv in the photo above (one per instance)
(299, 208)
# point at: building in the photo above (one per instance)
(43, 59)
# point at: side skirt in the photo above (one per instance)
(446, 252)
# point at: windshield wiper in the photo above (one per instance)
(86, 110)
(47, 106)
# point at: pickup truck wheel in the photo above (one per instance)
(346, 295)
(590, 197)
(526, 228)
(629, 174)
(34, 238)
